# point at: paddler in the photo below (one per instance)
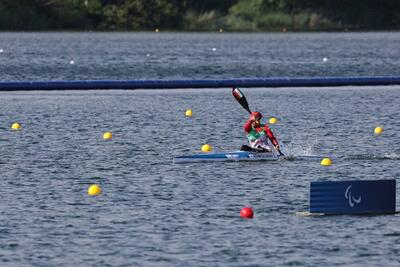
(258, 134)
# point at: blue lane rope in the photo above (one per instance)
(204, 83)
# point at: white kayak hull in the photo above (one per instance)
(227, 156)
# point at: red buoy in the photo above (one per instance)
(247, 213)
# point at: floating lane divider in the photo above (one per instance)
(205, 83)
(353, 197)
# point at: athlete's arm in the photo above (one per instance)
(271, 136)
(247, 125)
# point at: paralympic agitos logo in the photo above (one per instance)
(352, 200)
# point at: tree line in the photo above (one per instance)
(199, 15)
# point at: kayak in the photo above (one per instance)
(228, 156)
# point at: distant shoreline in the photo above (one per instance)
(199, 16)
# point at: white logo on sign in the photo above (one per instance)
(352, 200)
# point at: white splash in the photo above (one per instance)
(392, 155)
(300, 148)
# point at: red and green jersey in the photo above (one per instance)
(259, 133)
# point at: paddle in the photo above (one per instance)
(239, 96)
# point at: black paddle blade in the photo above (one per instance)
(239, 96)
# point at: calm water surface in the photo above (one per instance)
(155, 213)
(47, 56)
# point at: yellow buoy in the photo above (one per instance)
(107, 136)
(221, 30)
(273, 120)
(189, 113)
(378, 130)
(206, 148)
(94, 190)
(157, 30)
(16, 126)
(326, 162)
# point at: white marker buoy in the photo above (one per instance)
(324, 59)
(214, 49)
(1, 50)
(72, 62)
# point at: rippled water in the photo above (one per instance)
(47, 56)
(155, 213)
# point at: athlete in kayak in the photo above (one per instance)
(258, 134)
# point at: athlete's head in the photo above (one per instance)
(256, 118)
(257, 115)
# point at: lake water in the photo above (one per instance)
(156, 213)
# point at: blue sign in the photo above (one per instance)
(353, 197)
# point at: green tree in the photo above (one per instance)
(198, 15)
(141, 14)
